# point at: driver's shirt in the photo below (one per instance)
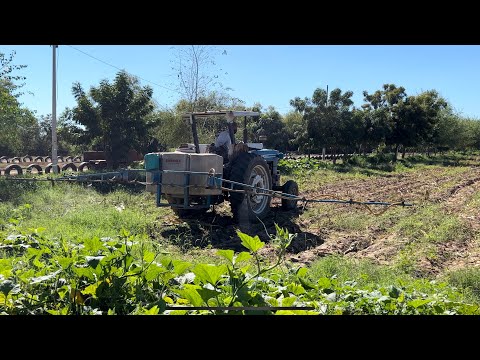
(223, 139)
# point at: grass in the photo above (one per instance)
(431, 223)
(369, 275)
(79, 213)
(468, 281)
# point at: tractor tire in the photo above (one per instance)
(250, 169)
(290, 187)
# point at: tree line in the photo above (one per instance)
(120, 115)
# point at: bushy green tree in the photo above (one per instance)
(114, 117)
(17, 123)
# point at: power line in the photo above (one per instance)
(106, 63)
(116, 67)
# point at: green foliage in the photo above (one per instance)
(329, 121)
(468, 280)
(272, 126)
(119, 276)
(113, 117)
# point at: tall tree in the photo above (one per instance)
(114, 116)
(17, 123)
(8, 78)
(197, 73)
(387, 107)
(271, 126)
(327, 118)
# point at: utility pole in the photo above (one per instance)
(323, 148)
(54, 112)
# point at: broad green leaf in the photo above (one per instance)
(128, 261)
(306, 284)
(62, 292)
(394, 292)
(272, 301)
(135, 271)
(192, 295)
(38, 263)
(285, 312)
(207, 294)
(243, 256)
(324, 283)
(8, 286)
(168, 300)
(296, 312)
(64, 262)
(180, 266)
(418, 302)
(111, 312)
(152, 311)
(296, 289)
(124, 233)
(209, 273)
(86, 272)
(178, 312)
(168, 263)
(91, 289)
(244, 269)
(469, 309)
(92, 245)
(153, 271)
(148, 256)
(301, 272)
(31, 252)
(227, 254)
(93, 261)
(251, 243)
(289, 301)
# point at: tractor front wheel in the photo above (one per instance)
(290, 187)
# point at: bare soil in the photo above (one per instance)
(450, 188)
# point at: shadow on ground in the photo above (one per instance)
(218, 230)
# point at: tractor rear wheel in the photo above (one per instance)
(250, 169)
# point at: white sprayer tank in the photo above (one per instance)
(172, 183)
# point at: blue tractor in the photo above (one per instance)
(247, 176)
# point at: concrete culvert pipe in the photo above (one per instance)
(60, 159)
(4, 159)
(38, 159)
(84, 166)
(27, 158)
(68, 159)
(13, 167)
(32, 167)
(16, 160)
(47, 159)
(70, 166)
(49, 168)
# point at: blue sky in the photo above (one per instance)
(269, 74)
